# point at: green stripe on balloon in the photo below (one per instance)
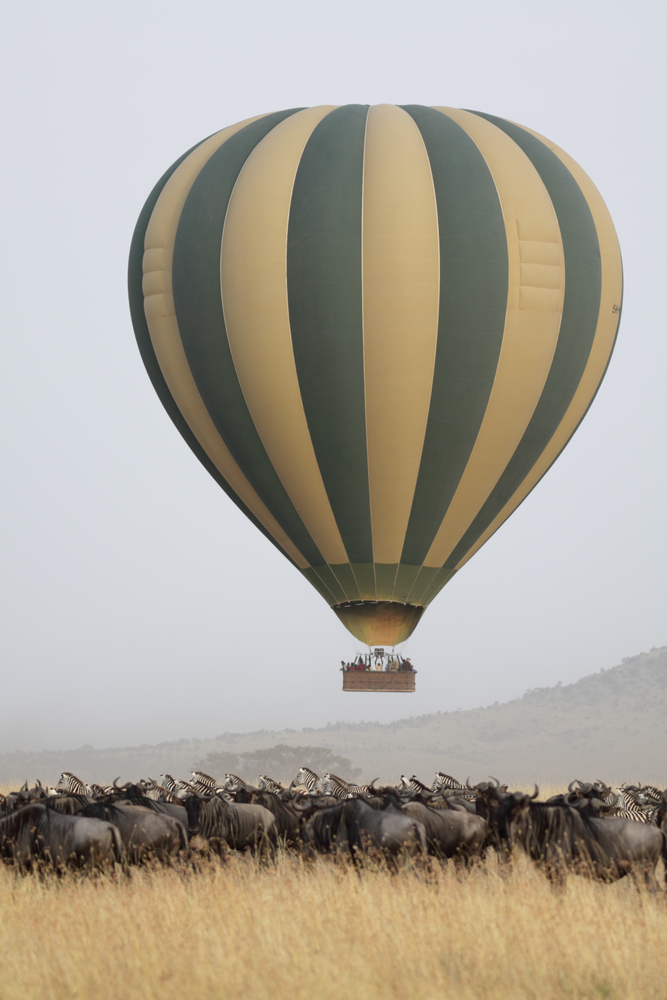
(581, 307)
(314, 580)
(405, 580)
(473, 303)
(433, 586)
(325, 308)
(201, 323)
(345, 576)
(136, 296)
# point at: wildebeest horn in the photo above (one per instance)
(115, 783)
(535, 793)
(497, 783)
(570, 787)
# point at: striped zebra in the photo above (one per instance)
(266, 784)
(443, 781)
(203, 783)
(414, 785)
(306, 778)
(625, 806)
(362, 791)
(647, 796)
(653, 793)
(97, 791)
(331, 784)
(232, 783)
(69, 783)
(178, 788)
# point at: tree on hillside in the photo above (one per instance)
(280, 762)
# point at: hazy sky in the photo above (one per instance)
(138, 604)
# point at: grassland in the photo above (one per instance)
(301, 932)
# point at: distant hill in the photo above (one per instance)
(611, 725)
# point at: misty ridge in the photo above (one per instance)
(609, 725)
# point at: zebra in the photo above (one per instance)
(331, 784)
(232, 783)
(632, 806)
(203, 782)
(178, 788)
(646, 796)
(625, 806)
(307, 778)
(69, 782)
(362, 791)
(96, 791)
(443, 781)
(266, 784)
(414, 785)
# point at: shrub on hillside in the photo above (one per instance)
(280, 762)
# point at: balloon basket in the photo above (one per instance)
(369, 680)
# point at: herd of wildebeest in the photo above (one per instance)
(592, 828)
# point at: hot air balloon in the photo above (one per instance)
(377, 328)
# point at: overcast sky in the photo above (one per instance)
(133, 609)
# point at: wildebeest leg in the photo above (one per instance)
(644, 877)
(265, 849)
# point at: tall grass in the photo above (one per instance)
(319, 932)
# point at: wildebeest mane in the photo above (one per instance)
(217, 818)
(101, 810)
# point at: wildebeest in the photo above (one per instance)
(239, 825)
(353, 825)
(37, 832)
(563, 837)
(449, 832)
(144, 833)
(287, 818)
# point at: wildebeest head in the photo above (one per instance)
(499, 808)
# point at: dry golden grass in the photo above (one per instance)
(303, 932)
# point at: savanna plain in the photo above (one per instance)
(234, 928)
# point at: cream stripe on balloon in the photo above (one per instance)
(605, 335)
(165, 337)
(254, 297)
(532, 324)
(401, 285)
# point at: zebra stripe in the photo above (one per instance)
(306, 779)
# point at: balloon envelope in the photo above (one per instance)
(376, 328)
